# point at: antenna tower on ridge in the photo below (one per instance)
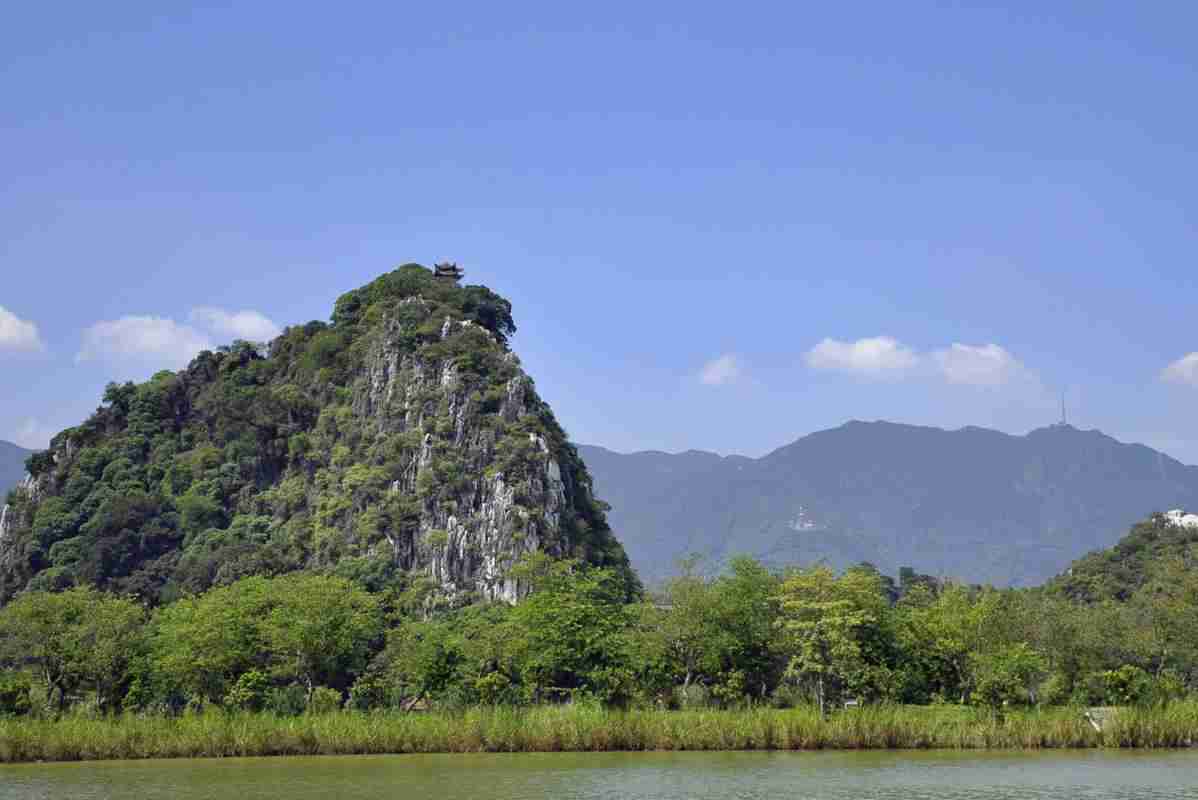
(1064, 418)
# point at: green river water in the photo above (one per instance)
(1088, 775)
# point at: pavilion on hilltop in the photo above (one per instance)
(449, 271)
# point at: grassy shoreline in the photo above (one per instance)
(490, 730)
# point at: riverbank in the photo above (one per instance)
(216, 734)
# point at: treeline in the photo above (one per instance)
(745, 637)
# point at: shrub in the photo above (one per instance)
(494, 688)
(287, 701)
(15, 690)
(373, 691)
(1168, 687)
(324, 700)
(1005, 677)
(249, 692)
(1128, 685)
(1056, 690)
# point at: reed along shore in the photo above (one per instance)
(220, 734)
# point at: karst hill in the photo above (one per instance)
(398, 444)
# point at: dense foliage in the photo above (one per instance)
(264, 460)
(1119, 572)
(747, 636)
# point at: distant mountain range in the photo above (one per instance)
(12, 466)
(973, 504)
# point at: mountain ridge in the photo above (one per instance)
(972, 503)
(851, 422)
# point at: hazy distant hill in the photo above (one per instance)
(12, 466)
(973, 503)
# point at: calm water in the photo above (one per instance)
(679, 776)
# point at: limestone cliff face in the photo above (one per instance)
(4, 524)
(487, 525)
(401, 445)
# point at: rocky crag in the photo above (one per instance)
(401, 445)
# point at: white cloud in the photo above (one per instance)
(981, 365)
(252, 326)
(884, 356)
(156, 342)
(1183, 370)
(877, 356)
(720, 371)
(18, 335)
(162, 343)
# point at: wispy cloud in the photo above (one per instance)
(980, 365)
(873, 357)
(887, 357)
(250, 325)
(1183, 370)
(153, 341)
(720, 371)
(18, 335)
(33, 435)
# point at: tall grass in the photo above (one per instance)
(217, 734)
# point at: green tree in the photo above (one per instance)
(313, 629)
(747, 598)
(682, 631)
(464, 657)
(1165, 613)
(572, 630)
(422, 659)
(1007, 675)
(947, 631)
(319, 628)
(824, 622)
(201, 645)
(74, 640)
(716, 631)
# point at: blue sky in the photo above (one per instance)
(722, 227)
